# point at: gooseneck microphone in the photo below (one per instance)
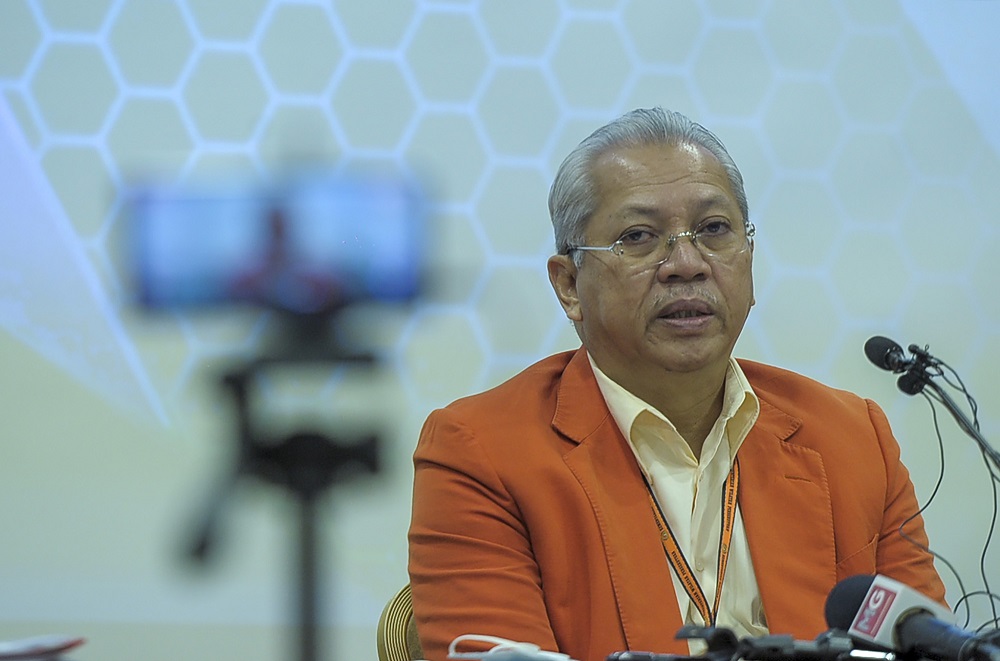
(888, 355)
(881, 611)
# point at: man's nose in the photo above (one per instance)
(683, 259)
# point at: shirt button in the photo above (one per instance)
(699, 566)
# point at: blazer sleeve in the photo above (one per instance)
(471, 564)
(902, 546)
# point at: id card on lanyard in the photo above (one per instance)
(680, 564)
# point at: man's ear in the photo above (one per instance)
(562, 276)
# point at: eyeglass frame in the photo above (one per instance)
(618, 250)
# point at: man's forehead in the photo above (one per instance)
(622, 165)
(624, 155)
(654, 167)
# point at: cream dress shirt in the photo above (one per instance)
(689, 491)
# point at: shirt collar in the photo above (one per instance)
(740, 405)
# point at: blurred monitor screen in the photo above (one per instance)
(309, 244)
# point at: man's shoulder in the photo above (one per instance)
(512, 414)
(536, 383)
(793, 392)
(763, 375)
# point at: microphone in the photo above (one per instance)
(880, 610)
(888, 355)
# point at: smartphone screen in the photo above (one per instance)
(310, 243)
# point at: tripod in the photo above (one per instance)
(306, 463)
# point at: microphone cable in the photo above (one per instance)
(926, 505)
(946, 375)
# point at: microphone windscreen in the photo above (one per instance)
(846, 597)
(878, 348)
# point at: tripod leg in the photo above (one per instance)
(308, 580)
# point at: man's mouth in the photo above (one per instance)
(684, 314)
(688, 309)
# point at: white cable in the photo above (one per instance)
(503, 650)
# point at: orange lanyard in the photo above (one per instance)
(680, 564)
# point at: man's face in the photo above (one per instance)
(683, 315)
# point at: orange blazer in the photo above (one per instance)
(531, 520)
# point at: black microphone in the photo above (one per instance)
(879, 610)
(930, 637)
(888, 355)
(914, 371)
(845, 600)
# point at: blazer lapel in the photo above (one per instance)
(787, 512)
(607, 470)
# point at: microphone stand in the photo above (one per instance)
(723, 645)
(920, 375)
(306, 462)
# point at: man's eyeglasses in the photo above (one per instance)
(716, 239)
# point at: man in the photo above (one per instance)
(604, 497)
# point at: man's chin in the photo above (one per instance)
(691, 357)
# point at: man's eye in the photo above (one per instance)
(637, 237)
(715, 228)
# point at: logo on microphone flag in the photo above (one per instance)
(873, 612)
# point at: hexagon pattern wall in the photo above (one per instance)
(866, 132)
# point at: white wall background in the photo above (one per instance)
(866, 129)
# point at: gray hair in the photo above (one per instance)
(573, 196)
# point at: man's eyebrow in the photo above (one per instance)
(700, 206)
(638, 210)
